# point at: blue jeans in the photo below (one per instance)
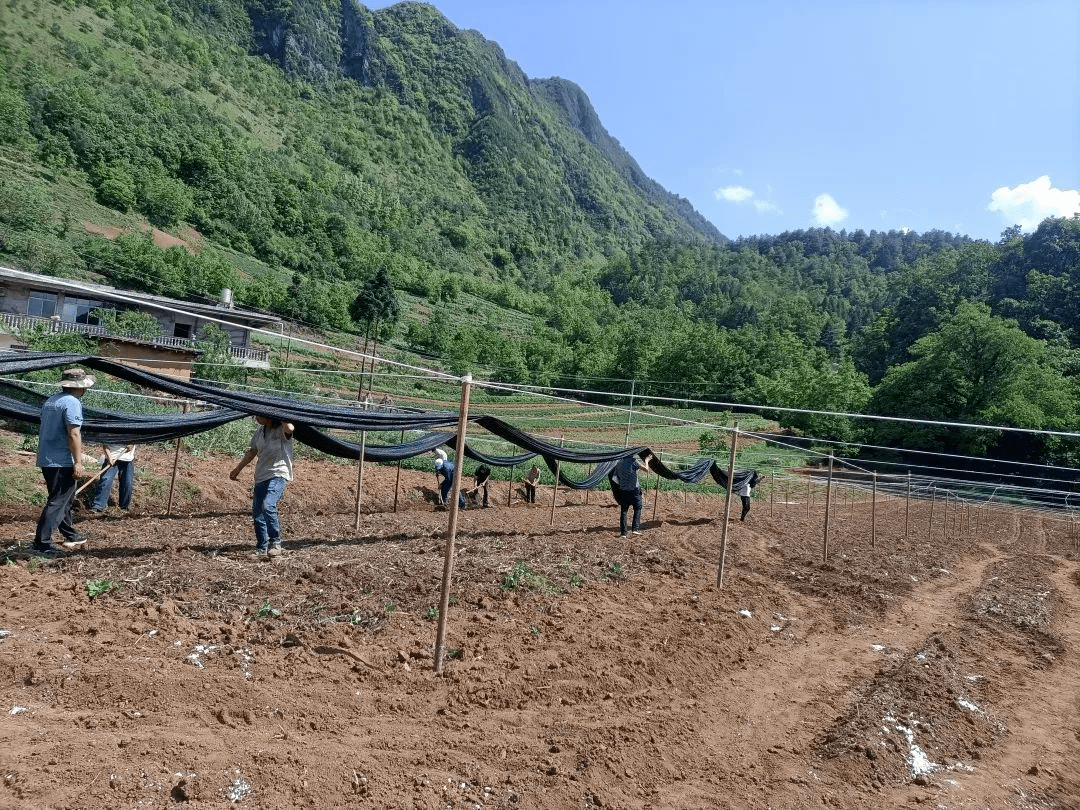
(444, 490)
(264, 503)
(126, 469)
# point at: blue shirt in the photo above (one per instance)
(627, 472)
(446, 470)
(58, 413)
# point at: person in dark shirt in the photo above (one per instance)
(627, 491)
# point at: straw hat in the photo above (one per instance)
(76, 378)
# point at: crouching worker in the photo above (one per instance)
(481, 478)
(272, 446)
(530, 481)
(119, 462)
(444, 468)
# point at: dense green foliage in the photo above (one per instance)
(334, 159)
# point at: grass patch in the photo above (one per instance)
(521, 577)
(21, 486)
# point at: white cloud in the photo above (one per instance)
(1030, 203)
(764, 207)
(827, 212)
(736, 194)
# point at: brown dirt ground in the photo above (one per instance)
(934, 670)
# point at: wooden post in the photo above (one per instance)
(851, 510)
(397, 481)
(945, 523)
(907, 508)
(656, 492)
(630, 418)
(873, 515)
(727, 507)
(555, 491)
(451, 529)
(808, 499)
(175, 464)
(930, 526)
(360, 477)
(772, 496)
(828, 507)
(510, 489)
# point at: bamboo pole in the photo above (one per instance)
(451, 529)
(907, 508)
(727, 507)
(656, 492)
(175, 464)
(828, 508)
(933, 501)
(360, 478)
(873, 514)
(397, 480)
(555, 492)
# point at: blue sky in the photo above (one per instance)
(958, 115)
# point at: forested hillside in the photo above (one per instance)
(311, 152)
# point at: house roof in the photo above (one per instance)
(240, 317)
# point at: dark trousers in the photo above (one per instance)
(627, 498)
(61, 485)
(745, 506)
(530, 493)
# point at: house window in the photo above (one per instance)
(77, 310)
(41, 305)
(182, 330)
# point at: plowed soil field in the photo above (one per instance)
(583, 670)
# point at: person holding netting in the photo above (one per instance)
(627, 491)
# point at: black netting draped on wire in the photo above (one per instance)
(312, 419)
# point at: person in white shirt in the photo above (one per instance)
(272, 445)
(119, 462)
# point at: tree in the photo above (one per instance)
(976, 368)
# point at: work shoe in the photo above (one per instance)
(73, 542)
(637, 531)
(48, 552)
(260, 553)
(274, 551)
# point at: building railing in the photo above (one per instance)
(18, 322)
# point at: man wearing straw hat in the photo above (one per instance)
(60, 459)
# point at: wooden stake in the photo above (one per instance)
(727, 507)
(451, 529)
(510, 489)
(555, 492)
(656, 492)
(828, 508)
(175, 463)
(772, 496)
(360, 477)
(930, 526)
(873, 515)
(397, 480)
(907, 508)
(630, 417)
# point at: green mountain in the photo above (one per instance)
(313, 154)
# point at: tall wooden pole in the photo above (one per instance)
(930, 526)
(772, 496)
(873, 515)
(555, 492)
(727, 507)
(510, 489)
(175, 464)
(808, 499)
(360, 477)
(397, 480)
(907, 508)
(451, 529)
(656, 492)
(828, 509)
(630, 417)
